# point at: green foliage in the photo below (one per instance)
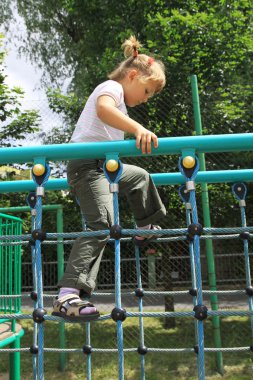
(211, 40)
(214, 42)
(5, 13)
(66, 105)
(69, 108)
(80, 40)
(26, 122)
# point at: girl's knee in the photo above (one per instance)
(143, 175)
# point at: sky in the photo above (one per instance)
(22, 73)
(19, 70)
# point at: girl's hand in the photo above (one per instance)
(111, 115)
(144, 139)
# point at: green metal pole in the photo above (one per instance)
(207, 223)
(60, 268)
(14, 359)
(151, 272)
(60, 249)
(27, 208)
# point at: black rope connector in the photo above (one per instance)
(200, 312)
(249, 291)
(240, 189)
(31, 199)
(34, 349)
(193, 292)
(195, 229)
(244, 235)
(38, 315)
(142, 350)
(87, 349)
(115, 231)
(31, 242)
(118, 314)
(189, 237)
(185, 195)
(196, 349)
(34, 295)
(39, 235)
(139, 292)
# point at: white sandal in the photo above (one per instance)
(142, 240)
(69, 306)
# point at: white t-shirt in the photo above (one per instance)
(89, 127)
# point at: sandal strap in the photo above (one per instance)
(69, 307)
(64, 301)
(82, 303)
(155, 227)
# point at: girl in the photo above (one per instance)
(105, 118)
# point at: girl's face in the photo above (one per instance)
(136, 91)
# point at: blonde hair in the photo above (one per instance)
(149, 68)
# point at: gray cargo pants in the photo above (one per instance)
(88, 183)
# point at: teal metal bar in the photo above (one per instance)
(167, 145)
(215, 176)
(11, 339)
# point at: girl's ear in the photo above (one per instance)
(132, 74)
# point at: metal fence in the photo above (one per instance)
(229, 268)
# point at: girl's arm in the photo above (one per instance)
(111, 115)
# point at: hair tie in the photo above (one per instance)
(135, 52)
(150, 61)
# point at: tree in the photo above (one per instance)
(213, 41)
(210, 39)
(80, 39)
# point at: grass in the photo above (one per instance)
(158, 366)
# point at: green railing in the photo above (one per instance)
(10, 291)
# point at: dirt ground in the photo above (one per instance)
(4, 376)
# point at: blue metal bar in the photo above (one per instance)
(88, 342)
(114, 181)
(190, 178)
(140, 308)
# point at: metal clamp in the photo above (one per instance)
(114, 187)
(40, 191)
(242, 203)
(33, 212)
(190, 185)
(188, 206)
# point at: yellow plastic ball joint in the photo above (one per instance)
(188, 162)
(112, 165)
(39, 169)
